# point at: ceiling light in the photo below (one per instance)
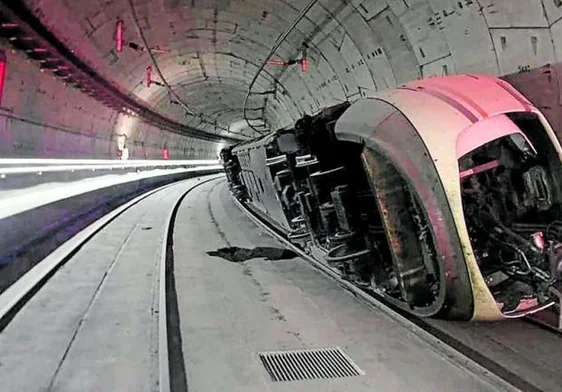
(276, 63)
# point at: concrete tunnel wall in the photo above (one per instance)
(42, 117)
(356, 47)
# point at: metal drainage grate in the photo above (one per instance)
(310, 364)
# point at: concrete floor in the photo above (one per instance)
(524, 349)
(231, 311)
(93, 326)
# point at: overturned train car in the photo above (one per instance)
(443, 196)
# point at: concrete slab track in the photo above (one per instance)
(93, 326)
(231, 311)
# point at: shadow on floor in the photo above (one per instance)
(238, 255)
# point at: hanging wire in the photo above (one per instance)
(171, 92)
(276, 46)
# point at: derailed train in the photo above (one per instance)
(443, 195)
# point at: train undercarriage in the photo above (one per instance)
(352, 207)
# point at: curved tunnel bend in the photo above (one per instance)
(180, 87)
(208, 51)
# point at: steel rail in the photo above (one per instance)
(17, 295)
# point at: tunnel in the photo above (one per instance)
(215, 195)
(201, 57)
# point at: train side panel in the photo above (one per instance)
(257, 178)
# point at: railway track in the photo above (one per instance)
(170, 375)
(459, 341)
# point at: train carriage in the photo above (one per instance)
(442, 195)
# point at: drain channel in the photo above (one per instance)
(319, 363)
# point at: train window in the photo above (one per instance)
(522, 144)
(261, 186)
(519, 199)
(533, 129)
(507, 151)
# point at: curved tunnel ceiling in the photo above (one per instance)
(212, 48)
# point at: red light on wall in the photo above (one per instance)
(119, 36)
(3, 64)
(276, 62)
(166, 153)
(148, 76)
(304, 65)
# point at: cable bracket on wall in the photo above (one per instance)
(282, 37)
(150, 51)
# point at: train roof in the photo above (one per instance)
(440, 109)
(443, 109)
(475, 97)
